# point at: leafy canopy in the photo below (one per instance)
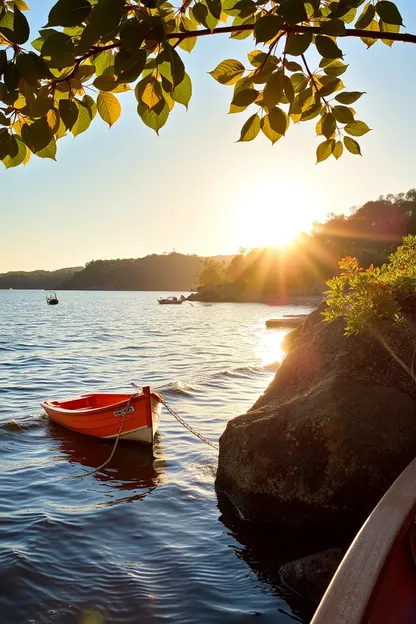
(365, 296)
(91, 50)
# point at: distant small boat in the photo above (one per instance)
(171, 300)
(376, 581)
(52, 299)
(100, 415)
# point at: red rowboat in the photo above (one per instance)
(376, 581)
(101, 415)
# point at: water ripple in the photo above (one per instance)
(143, 539)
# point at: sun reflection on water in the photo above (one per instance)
(269, 346)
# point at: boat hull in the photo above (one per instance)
(102, 415)
(376, 581)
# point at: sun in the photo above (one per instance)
(273, 217)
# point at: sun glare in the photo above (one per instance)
(273, 217)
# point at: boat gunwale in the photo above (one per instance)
(353, 590)
(96, 410)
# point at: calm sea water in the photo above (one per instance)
(144, 540)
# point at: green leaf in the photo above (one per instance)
(89, 102)
(273, 90)
(357, 128)
(131, 74)
(83, 72)
(188, 44)
(293, 11)
(105, 82)
(268, 130)
(132, 35)
(11, 76)
(183, 92)
(245, 97)
(41, 105)
(292, 66)
(349, 17)
(267, 27)
(278, 120)
(228, 72)
(176, 64)
(334, 68)
(338, 150)
(38, 43)
(288, 89)
(15, 27)
(152, 93)
(103, 20)
(388, 28)
(103, 62)
(389, 12)
(68, 111)
(250, 129)
(153, 119)
(366, 16)
(200, 13)
(349, 97)
(37, 135)
(58, 50)
(325, 150)
(108, 108)
(215, 8)
(4, 121)
(49, 151)
(330, 87)
(32, 68)
(329, 125)
(239, 21)
(53, 119)
(3, 61)
(373, 27)
(18, 159)
(298, 44)
(343, 114)
(352, 146)
(257, 58)
(4, 143)
(21, 4)
(327, 47)
(84, 119)
(69, 13)
(333, 27)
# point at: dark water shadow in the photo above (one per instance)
(264, 548)
(133, 466)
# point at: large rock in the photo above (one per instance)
(311, 575)
(330, 434)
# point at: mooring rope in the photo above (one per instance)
(187, 426)
(126, 411)
(182, 421)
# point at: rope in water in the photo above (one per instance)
(126, 411)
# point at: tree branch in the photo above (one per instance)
(350, 32)
(180, 36)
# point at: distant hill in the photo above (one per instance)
(50, 280)
(172, 271)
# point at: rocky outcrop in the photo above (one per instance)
(330, 434)
(231, 293)
(310, 576)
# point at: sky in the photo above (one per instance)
(124, 192)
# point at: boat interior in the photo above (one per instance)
(91, 401)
